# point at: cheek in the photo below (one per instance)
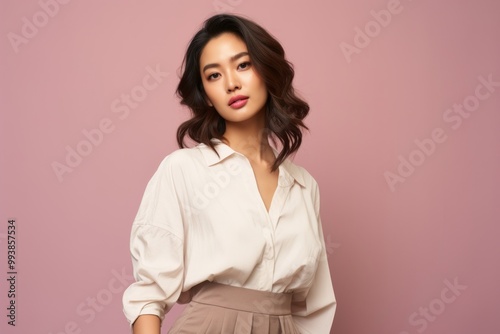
(263, 90)
(209, 91)
(260, 84)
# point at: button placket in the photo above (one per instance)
(285, 183)
(268, 259)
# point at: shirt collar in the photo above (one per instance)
(210, 156)
(291, 171)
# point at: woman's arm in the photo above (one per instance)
(157, 250)
(147, 324)
(315, 314)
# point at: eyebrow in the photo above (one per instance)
(232, 59)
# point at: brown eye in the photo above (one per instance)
(211, 76)
(246, 64)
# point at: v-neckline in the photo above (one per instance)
(256, 187)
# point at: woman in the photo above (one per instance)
(232, 226)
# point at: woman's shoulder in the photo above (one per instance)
(300, 174)
(182, 159)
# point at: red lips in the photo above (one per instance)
(236, 98)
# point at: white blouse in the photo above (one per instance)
(202, 218)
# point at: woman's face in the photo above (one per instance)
(226, 72)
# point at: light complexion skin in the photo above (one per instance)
(227, 71)
(224, 77)
(230, 73)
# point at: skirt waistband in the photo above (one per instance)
(243, 299)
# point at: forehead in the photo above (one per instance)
(221, 48)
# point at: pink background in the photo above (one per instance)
(393, 251)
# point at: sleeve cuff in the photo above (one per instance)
(153, 309)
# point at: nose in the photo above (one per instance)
(232, 82)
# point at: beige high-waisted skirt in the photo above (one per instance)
(223, 309)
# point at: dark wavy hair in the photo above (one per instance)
(284, 110)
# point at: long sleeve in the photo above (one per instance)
(315, 314)
(156, 247)
(201, 218)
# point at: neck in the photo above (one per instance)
(250, 138)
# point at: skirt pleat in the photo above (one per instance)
(222, 309)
